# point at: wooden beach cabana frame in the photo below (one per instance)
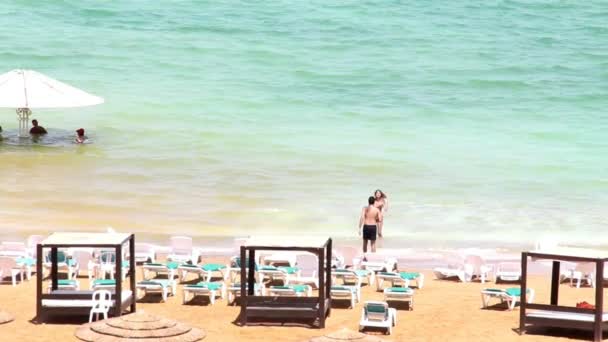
(271, 307)
(553, 314)
(110, 241)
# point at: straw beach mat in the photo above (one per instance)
(139, 326)
(5, 317)
(346, 335)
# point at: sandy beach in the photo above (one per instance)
(444, 310)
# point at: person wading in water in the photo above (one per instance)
(368, 223)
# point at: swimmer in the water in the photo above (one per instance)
(80, 137)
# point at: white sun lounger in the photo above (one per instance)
(9, 267)
(211, 290)
(350, 292)
(378, 315)
(205, 271)
(165, 287)
(182, 251)
(399, 279)
(507, 271)
(84, 261)
(65, 284)
(511, 296)
(234, 291)
(280, 259)
(401, 294)
(465, 269)
(349, 276)
(168, 269)
(290, 290)
(379, 263)
(145, 252)
(13, 249)
(308, 266)
(277, 273)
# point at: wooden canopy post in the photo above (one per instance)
(132, 269)
(118, 277)
(555, 282)
(39, 277)
(599, 300)
(320, 252)
(54, 269)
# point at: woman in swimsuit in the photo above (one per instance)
(382, 205)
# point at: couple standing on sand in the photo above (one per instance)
(372, 219)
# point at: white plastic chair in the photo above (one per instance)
(583, 271)
(102, 301)
(107, 264)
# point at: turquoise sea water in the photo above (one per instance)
(480, 120)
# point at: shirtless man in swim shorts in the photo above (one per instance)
(368, 224)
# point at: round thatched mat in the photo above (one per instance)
(139, 326)
(346, 335)
(5, 317)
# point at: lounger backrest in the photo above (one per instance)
(508, 267)
(181, 245)
(349, 253)
(585, 267)
(376, 311)
(34, 240)
(454, 261)
(107, 257)
(235, 262)
(308, 264)
(61, 257)
(376, 257)
(144, 248)
(6, 265)
(474, 263)
(13, 248)
(82, 257)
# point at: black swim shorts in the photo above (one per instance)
(369, 232)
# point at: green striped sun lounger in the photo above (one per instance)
(399, 279)
(401, 294)
(206, 271)
(510, 295)
(165, 287)
(209, 289)
(300, 290)
(169, 269)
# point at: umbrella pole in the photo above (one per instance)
(23, 115)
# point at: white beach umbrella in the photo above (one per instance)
(27, 89)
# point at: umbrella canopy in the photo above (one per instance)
(139, 326)
(25, 90)
(346, 335)
(33, 90)
(5, 317)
